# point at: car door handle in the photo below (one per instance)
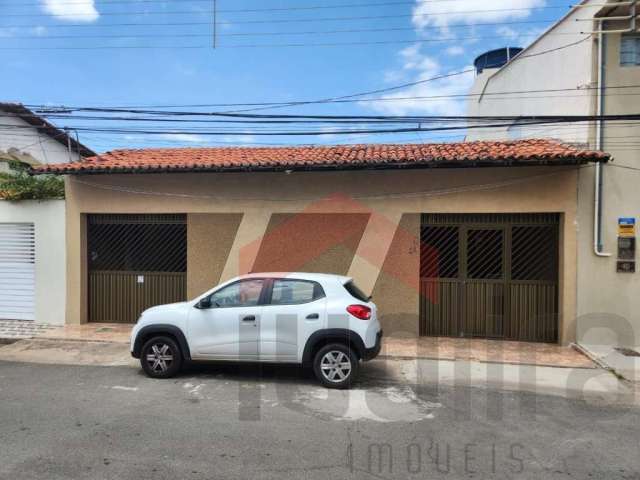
(313, 316)
(249, 318)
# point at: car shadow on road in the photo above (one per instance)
(372, 374)
(249, 372)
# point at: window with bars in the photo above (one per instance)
(439, 252)
(139, 243)
(630, 50)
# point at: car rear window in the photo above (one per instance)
(355, 292)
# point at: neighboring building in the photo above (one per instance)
(32, 233)
(463, 239)
(575, 68)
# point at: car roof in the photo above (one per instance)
(317, 277)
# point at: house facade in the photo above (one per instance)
(32, 233)
(470, 239)
(592, 68)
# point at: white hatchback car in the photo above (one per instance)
(318, 320)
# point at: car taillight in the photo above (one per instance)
(360, 311)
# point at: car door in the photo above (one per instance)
(228, 330)
(293, 310)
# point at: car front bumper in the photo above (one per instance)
(373, 352)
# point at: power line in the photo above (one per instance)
(298, 20)
(259, 34)
(517, 58)
(275, 45)
(537, 120)
(251, 10)
(44, 109)
(358, 94)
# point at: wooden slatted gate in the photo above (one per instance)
(135, 262)
(490, 276)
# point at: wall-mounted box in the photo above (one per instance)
(626, 267)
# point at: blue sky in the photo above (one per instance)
(78, 70)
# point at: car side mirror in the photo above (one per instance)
(204, 303)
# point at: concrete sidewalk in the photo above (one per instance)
(574, 382)
(623, 361)
(425, 348)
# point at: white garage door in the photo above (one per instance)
(17, 271)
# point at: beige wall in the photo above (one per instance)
(354, 198)
(209, 240)
(608, 302)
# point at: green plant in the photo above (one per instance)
(18, 185)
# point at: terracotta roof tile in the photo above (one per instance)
(339, 157)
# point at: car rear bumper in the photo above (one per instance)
(373, 352)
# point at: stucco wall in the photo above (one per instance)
(608, 302)
(374, 201)
(209, 241)
(49, 219)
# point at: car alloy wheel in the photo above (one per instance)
(335, 366)
(160, 358)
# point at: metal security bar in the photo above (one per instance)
(146, 243)
(135, 262)
(490, 276)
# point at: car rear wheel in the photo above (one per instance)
(161, 357)
(336, 365)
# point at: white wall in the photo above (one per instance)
(49, 220)
(29, 140)
(532, 71)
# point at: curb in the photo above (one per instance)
(600, 363)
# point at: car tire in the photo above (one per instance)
(161, 357)
(336, 366)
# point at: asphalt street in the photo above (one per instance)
(215, 421)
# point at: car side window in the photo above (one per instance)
(245, 293)
(291, 292)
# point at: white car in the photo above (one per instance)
(318, 320)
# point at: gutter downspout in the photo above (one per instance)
(597, 207)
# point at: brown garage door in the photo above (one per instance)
(490, 276)
(135, 262)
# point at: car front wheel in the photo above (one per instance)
(161, 357)
(336, 366)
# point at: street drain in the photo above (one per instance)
(628, 352)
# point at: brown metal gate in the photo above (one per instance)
(490, 276)
(135, 262)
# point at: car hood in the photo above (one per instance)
(166, 307)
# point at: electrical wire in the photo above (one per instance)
(297, 20)
(486, 96)
(259, 34)
(278, 45)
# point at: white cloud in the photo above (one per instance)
(423, 67)
(183, 138)
(427, 14)
(39, 30)
(520, 38)
(455, 50)
(239, 139)
(75, 11)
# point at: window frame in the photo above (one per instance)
(261, 297)
(634, 37)
(268, 297)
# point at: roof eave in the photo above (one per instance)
(432, 164)
(49, 129)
